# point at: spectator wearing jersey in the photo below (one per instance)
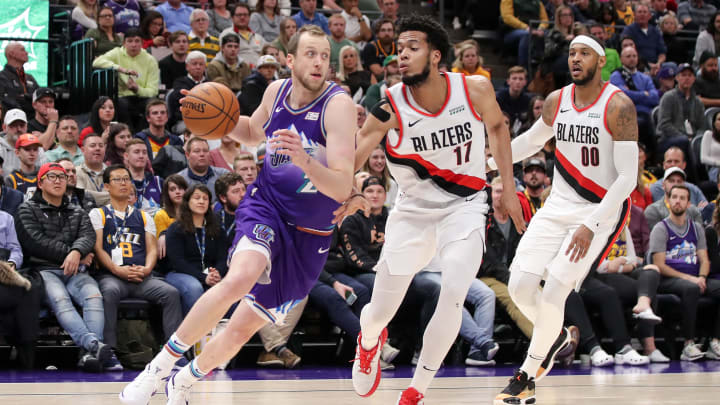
(24, 179)
(126, 250)
(127, 14)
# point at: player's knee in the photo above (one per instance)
(521, 289)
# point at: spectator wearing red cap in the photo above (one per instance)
(24, 179)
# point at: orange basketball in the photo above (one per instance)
(210, 110)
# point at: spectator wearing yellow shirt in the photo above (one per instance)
(468, 62)
(624, 11)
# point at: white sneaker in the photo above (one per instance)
(632, 358)
(385, 366)
(142, 388)
(388, 353)
(177, 394)
(658, 357)
(649, 316)
(366, 371)
(713, 352)
(691, 352)
(601, 359)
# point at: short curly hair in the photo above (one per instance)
(437, 37)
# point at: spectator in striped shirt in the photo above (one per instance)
(200, 39)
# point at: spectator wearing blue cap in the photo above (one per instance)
(666, 77)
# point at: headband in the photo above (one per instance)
(589, 42)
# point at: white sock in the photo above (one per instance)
(188, 375)
(169, 355)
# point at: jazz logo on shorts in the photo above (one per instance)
(264, 234)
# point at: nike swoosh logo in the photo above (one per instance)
(414, 122)
(278, 109)
(564, 111)
(425, 367)
(323, 251)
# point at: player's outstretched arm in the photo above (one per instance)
(485, 104)
(531, 141)
(249, 130)
(335, 180)
(621, 120)
(380, 120)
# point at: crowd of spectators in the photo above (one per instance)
(127, 203)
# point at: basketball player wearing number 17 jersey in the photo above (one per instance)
(595, 129)
(434, 134)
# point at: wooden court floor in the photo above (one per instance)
(625, 389)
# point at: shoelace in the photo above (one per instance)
(181, 393)
(410, 397)
(365, 358)
(516, 385)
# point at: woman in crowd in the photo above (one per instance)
(468, 61)
(198, 245)
(104, 36)
(173, 190)
(85, 17)
(220, 17)
(609, 18)
(224, 156)
(288, 28)
(534, 112)
(351, 72)
(708, 39)
(557, 44)
(152, 28)
(266, 19)
(102, 114)
(376, 165)
(676, 50)
(118, 135)
(710, 148)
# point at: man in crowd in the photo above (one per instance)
(200, 38)
(251, 43)
(682, 113)
(678, 247)
(245, 166)
(139, 77)
(230, 190)
(707, 85)
(374, 53)
(514, 99)
(659, 210)
(195, 65)
(173, 65)
(16, 86)
(376, 92)
(176, 15)
(648, 38)
(45, 121)
(76, 195)
(309, 15)
(357, 25)
(67, 135)
(659, 10)
(612, 58)
(14, 125)
(389, 11)
(337, 38)
(254, 85)
(534, 176)
(227, 68)
(666, 77)
(155, 136)
(126, 250)
(675, 157)
(199, 169)
(58, 241)
(641, 90)
(695, 15)
(24, 179)
(89, 174)
(148, 187)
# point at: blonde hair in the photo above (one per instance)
(341, 74)
(464, 47)
(88, 10)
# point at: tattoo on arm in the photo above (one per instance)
(622, 118)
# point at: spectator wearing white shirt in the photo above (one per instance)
(357, 25)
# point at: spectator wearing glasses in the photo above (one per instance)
(200, 39)
(104, 35)
(250, 43)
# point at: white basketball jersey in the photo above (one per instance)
(437, 157)
(584, 164)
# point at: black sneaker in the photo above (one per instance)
(89, 363)
(560, 343)
(100, 351)
(520, 391)
(484, 356)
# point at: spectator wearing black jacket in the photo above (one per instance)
(10, 199)
(16, 86)
(199, 248)
(254, 86)
(195, 65)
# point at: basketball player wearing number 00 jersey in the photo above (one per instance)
(595, 129)
(434, 136)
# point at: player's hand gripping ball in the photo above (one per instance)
(210, 110)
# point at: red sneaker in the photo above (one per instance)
(366, 366)
(411, 397)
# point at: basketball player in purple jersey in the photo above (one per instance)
(434, 132)
(283, 235)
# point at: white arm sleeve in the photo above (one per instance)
(625, 154)
(528, 143)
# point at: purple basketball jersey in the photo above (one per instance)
(295, 197)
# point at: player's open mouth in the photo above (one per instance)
(316, 75)
(576, 69)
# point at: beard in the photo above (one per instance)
(306, 83)
(678, 211)
(418, 79)
(585, 80)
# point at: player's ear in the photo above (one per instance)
(290, 60)
(602, 61)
